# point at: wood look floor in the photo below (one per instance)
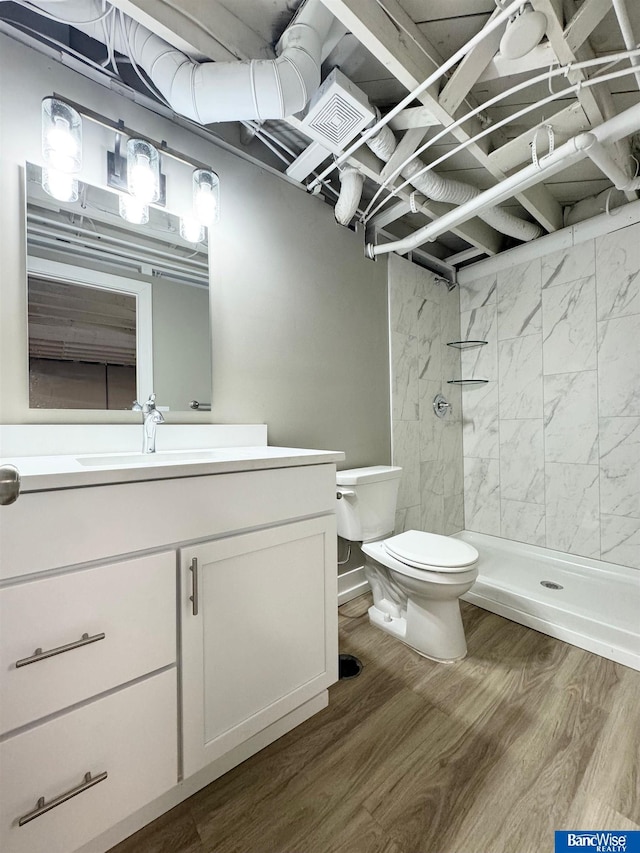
(488, 755)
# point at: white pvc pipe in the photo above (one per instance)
(544, 77)
(563, 157)
(599, 156)
(627, 33)
(209, 92)
(489, 27)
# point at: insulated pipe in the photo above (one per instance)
(598, 155)
(566, 155)
(351, 183)
(627, 34)
(449, 191)
(209, 92)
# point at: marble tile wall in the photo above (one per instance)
(552, 442)
(424, 317)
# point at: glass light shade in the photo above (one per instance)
(191, 230)
(61, 136)
(143, 171)
(133, 210)
(206, 197)
(60, 185)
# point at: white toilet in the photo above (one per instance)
(416, 578)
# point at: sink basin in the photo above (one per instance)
(166, 457)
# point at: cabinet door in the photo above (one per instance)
(259, 632)
(125, 740)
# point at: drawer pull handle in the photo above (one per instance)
(44, 807)
(85, 640)
(193, 598)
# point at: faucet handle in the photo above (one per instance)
(136, 407)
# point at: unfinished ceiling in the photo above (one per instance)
(389, 48)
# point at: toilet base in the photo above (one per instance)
(436, 636)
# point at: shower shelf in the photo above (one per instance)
(466, 344)
(467, 381)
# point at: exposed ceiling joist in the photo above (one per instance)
(475, 231)
(584, 22)
(386, 217)
(461, 257)
(413, 117)
(411, 65)
(308, 161)
(541, 56)
(595, 100)
(470, 69)
(565, 123)
(405, 148)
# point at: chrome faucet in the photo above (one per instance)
(151, 418)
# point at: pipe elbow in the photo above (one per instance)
(351, 183)
(584, 141)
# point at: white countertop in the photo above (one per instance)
(44, 473)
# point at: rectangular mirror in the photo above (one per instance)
(116, 310)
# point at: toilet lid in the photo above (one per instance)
(422, 550)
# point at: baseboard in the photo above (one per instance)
(352, 584)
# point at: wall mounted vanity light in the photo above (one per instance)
(133, 210)
(206, 197)
(61, 149)
(191, 230)
(136, 176)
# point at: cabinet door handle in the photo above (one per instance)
(193, 598)
(43, 807)
(40, 655)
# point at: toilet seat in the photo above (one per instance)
(431, 551)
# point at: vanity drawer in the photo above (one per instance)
(108, 624)
(130, 735)
(77, 526)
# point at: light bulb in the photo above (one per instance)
(206, 196)
(60, 185)
(133, 210)
(143, 171)
(191, 230)
(61, 136)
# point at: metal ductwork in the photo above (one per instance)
(446, 190)
(208, 92)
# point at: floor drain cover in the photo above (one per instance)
(348, 666)
(551, 585)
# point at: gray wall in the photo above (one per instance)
(552, 442)
(300, 336)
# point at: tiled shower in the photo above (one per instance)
(551, 443)
(424, 317)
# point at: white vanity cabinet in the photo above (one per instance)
(259, 626)
(88, 685)
(154, 633)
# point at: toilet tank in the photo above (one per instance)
(366, 503)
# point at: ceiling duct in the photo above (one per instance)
(209, 92)
(449, 191)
